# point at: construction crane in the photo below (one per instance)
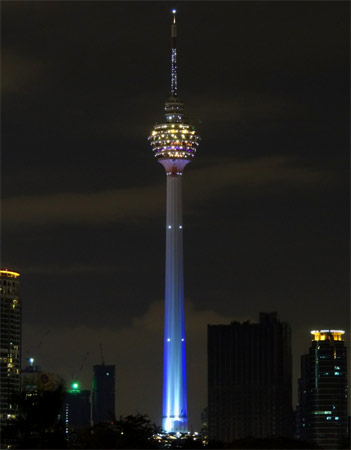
(102, 355)
(81, 366)
(34, 348)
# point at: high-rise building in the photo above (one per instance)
(321, 413)
(103, 390)
(249, 379)
(76, 408)
(10, 357)
(174, 144)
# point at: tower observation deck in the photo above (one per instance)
(174, 143)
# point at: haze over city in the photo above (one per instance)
(266, 201)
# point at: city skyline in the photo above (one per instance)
(266, 205)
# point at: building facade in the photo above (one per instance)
(250, 379)
(10, 342)
(174, 143)
(103, 393)
(321, 413)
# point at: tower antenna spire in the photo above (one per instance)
(174, 55)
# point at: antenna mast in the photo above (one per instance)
(102, 355)
(174, 56)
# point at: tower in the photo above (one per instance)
(174, 144)
(249, 379)
(322, 409)
(10, 358)
(103, 393)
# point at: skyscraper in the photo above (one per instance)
(103, 393)
(174, 144)
(322, 409)
(249, 379)
(10, 358)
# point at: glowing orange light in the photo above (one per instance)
(323, 335)
(10, 273)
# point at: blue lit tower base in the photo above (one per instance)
(174, 144)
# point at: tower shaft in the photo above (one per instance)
(174, 374)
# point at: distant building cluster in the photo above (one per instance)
(250, 384)
(79, 408)
(249, 381)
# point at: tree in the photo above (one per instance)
(133, 431)
(37, 424)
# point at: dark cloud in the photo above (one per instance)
(135, 203)
(18, 72)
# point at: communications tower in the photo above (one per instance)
(174, 143)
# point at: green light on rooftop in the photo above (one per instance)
(75, 386)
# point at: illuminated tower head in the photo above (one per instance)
(175, 141)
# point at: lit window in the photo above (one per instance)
(336, 373)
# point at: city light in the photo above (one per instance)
(9, 273)
(323, 335)
(75, 386)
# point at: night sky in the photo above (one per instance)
(266, 200)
